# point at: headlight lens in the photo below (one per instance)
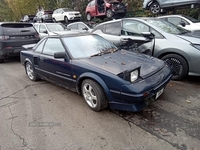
(71, 14)
(197, 46)
(134, 75)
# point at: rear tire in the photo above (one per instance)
(94, 95)
(30, 72)
(89, 17)
(155, 8)
(178, 64)
(109, 13)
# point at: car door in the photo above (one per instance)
(166, 3)
(132, 38)
(111, 32)
(43, 31)
(183, 2)
(60, 15)
(57, 71)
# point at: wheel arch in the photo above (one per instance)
(182, 54)
(95, 78)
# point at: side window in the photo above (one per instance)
(99, 27)
(157, 34)
(174, 20)
(40, 47)
(53, 45)
(187, 23)
(134, 27)
(42, 29)
(113, 28)
(36, 27)
(73, 26)
(81, 26)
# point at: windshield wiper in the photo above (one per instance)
(112, 50)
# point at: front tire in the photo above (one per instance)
(30, 72)
(66, 19)
(178, 64)
(54, 20)
(155, 8)
(94, 95)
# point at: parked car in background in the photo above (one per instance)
(160, 6)
(46, 29)
(97, 70)
(175, 45)
(43, 16)
(13, 35)
(66, 15)
(80, 26)
(27, 18)
(183, 21)
(105, 8)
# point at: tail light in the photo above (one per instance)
(4, 37)
(37, 36)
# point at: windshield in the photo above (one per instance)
(191, 19)
(67, 9)
(56, 27)
(88, 46)
(167, 26)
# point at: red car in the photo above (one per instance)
(105, 8)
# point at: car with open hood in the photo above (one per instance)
(105, 8)
(161, 6)
(96, 69)
(173, 44)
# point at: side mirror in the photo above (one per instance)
(182, 23)
(45, 32)
(148, 35)
(85, 28)
(59, 55)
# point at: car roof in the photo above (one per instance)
(70, 34)
(177, 15)
(14, 23)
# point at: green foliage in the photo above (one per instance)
(13, 10)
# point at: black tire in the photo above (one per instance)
(66, 19)
(178, 64)
(94, 95)
(109, 13)
(88, 17)
(155, 8)
(2, 60)
(54, 20)
(30, 72)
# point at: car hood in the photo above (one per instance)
(74, 12)
(192, 38)
(123, 61)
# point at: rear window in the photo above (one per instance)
(48, 12)
(9, 29)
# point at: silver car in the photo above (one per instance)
(45, 29)
(159, 6)
(173, 44)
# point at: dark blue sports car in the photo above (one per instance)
(96, 69)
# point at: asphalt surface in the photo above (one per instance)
(43, 116)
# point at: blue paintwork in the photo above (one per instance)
(109, 71)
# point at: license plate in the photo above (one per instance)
(159, 93)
